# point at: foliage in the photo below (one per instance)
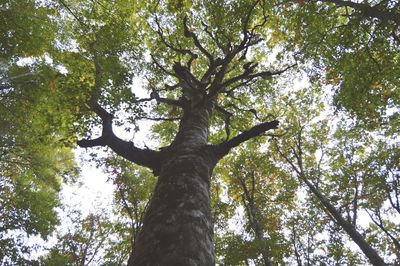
(338, 134)
(358, 52)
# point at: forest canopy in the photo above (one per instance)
(272, 131)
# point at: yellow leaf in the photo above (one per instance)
(53, 86)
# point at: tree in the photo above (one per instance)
(177, 226)
(217, 73)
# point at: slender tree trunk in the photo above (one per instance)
(177, 226)
(368, 251)
(259, 234)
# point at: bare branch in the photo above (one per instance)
(251, 110)
(190, 34)
(214, 38)
(290, 162)
(247, 19)
(239, 85)
(265, 18)
(160, 33)
(154, 95)
(144, 157)
(223, 148)
(246, 75)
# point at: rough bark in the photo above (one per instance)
(177, 226)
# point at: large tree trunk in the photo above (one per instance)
(177, 226)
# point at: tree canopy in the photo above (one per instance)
(275, 122)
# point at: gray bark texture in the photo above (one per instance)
(177, 226)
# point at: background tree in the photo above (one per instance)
(264, 193)
(34, 160)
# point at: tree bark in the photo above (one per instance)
(177, 226)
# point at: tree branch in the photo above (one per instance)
(145, 157)
(184, 74)
(214, 38)
(382, 227)
(72, 13)
(368, 11)
(222, 149)
(190, 34)
(160, 33)
(161, 67)
(247, 19)
(154, 95)
(227, 119)
(246, 75)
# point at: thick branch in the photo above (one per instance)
(126, 149)
(227, 119)
(154, 95)
(223, 148)
(368, 11)
(88, 143)
(184, 74)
